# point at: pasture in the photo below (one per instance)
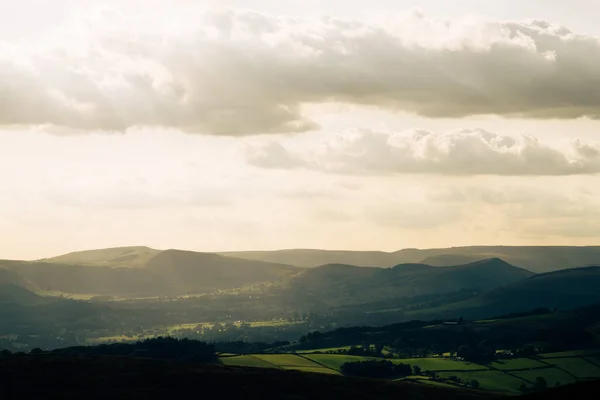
(505, 376)
(496, 381)
(551, 375)
(517, 363)
(577, 366)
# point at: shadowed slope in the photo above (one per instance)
(344, 284)
(46, 376)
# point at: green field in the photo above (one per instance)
(316, 370)
(505, 376)
(72, 296)
(283, 361)
(286, 360)
(323, 350)
(335, 361)
(247, 361)
(488, 380)
(576, 366)
(551, 375)
(517, 363)
(594, 360)
(440, 364)
(573, 353)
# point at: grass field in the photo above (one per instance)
(517, 363)
(489, 380)
(323, 350)
(72, 296)
(247, 361)
(551, 375)
(576, 366)
(573, 353)
(106, 339)
(283, 361)
(440, 364)
(505, 376)
(286, 360)
(316, 370)
(335, 361)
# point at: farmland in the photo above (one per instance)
(505, 376)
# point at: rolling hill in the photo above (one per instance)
(344, 284)
(118, 257)
(169, 273)
(566, 289)
(537, 259)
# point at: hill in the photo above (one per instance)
(537, 259)
(167, 273)
(62, 377)
(344, 284)
(11, 295)
(12, 278)
(187, 271)
(118, 257)
(567, 289)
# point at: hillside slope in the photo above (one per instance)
(11, 278)
(567, 289)
(171, 272)
(343, 284)
(118, 257)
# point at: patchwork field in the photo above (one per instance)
(577, 366)
(505, 376)
(440, 364)
(551, 375)
(496, 381)
(517, 363)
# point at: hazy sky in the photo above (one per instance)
(298, 124)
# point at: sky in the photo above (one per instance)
(258, 125)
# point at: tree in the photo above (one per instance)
(417, 370)
(540, 383)
(475, 383)
(523, 388)
(37, 350)
(5, 353)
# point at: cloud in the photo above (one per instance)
(462, 152)
(239, 72)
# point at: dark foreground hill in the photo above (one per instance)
(65, 377)
(585, 390)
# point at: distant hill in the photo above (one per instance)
(188, 271)
(122, 257)
(537, 259)
(309, 258)
(62, 377)
(341, 284)
(567, 289)
(171, 272)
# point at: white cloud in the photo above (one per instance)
(239, 72)
(462, 152)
